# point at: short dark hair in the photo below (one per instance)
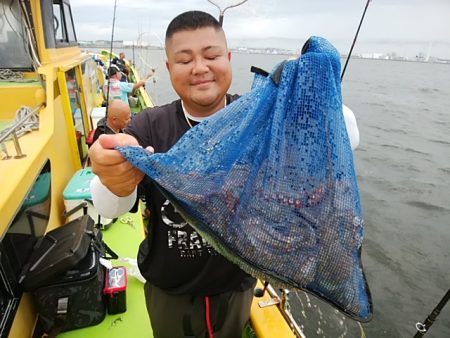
(113, 70)
(191, 20)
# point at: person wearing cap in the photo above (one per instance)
(118, 89)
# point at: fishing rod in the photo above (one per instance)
(222, 11)
(354, 39)
(423, 328)
(110, 57)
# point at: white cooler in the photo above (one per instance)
(97, 114)
(77, 192)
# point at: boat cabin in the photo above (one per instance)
(48, 89)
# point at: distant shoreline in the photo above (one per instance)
(268, 51)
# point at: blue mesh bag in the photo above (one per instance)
(269, 182)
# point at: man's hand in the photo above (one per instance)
(114, 171)
(150, 74)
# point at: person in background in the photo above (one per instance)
(184, 274)
(117, 119)
(121, 63)
(98, 60)
(118, 89)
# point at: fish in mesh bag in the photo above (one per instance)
(269, 182)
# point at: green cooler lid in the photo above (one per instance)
(78, 186)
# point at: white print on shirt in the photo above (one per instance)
(189, 244)
(114, 90)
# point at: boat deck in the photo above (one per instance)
(124, 240)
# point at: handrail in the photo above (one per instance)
(25, 114)
(283, 305)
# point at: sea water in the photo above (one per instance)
(403, 167)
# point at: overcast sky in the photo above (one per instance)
(406, 27)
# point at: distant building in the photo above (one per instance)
(140, 44)
(374, 56)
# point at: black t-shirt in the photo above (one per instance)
(120, 63)
(102, 128)
(174, 257)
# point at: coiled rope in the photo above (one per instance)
(9, 75)
(26, 121)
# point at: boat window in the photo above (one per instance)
(92, 86)
(73, 88)
(13, 37)
(63, 23)
(74, 93)
(29, 224)
(58, 24)
(69, 23)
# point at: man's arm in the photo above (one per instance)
(106, 203)
(114, 171)
(138, 85)
(117, 178)
(142, 82)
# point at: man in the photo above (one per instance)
(120, 61)
(118, 89)
(117, 119)
(184, 274)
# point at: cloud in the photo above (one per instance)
(386, 20)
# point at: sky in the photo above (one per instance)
(403, 27)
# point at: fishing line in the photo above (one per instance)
(354, 40)
(144, 66)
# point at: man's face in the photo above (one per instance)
(123, 119)
(199, 65)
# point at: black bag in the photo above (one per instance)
(74, 299)
(57, 251)
(66, 278)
